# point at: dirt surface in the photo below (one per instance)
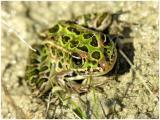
(126, 98)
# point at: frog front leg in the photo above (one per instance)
(55, 80)
(58, 81)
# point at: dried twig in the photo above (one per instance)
(138, 74)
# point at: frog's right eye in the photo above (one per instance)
(77, 59)
(106, 39)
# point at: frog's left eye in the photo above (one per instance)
(77, 59)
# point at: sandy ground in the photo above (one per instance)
(29, 18)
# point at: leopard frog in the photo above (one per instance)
(71, 51)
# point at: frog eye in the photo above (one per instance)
(77, 59)
(106, 39)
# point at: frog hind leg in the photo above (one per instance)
(99, 21)
(55, 82)
(96, 21)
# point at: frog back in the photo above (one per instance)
(81, 49)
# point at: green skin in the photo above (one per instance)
(71, 51)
